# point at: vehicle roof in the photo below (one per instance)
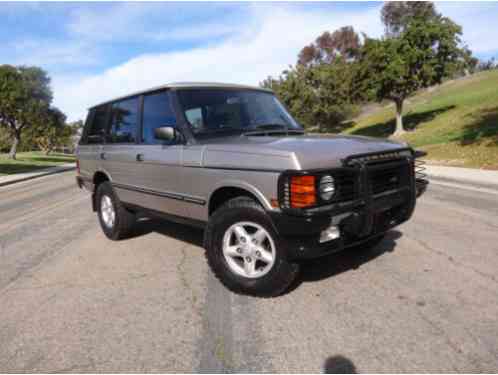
(186, 85)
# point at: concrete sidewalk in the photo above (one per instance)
(18, 177)
(468, 176)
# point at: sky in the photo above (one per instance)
(96, 51)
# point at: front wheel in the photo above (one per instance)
(245, 252)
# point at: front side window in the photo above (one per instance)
(157, 112)
(215, 110)
(124, 121)
(98, 118)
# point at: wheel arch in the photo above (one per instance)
(233, 189)
(98, 178)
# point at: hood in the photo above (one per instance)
(290, 152)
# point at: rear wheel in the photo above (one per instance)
(245, 252)
(116, 221)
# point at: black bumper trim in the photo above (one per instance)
(380, 213)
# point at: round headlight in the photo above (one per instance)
(327, 187)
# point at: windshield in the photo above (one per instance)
(218, 110)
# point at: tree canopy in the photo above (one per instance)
(50, 131)
(25, 97)
(396, 15)
(344, 42)
(421, 56)
(321, 96)
(339, 70)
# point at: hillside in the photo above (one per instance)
(456, 122)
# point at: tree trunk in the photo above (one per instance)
(399, 118)
(13, 149)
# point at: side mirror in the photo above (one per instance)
(165, 133)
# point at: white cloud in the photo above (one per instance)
(265, 45)
(119, 20)
(155, 21)
(48, 53)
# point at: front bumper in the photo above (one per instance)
(85, 182)
(371, 214)
(356, 225)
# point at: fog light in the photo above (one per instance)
(329, 234)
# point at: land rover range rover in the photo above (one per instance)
(231, 159)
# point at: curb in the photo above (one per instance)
(38, 174)
(462, 182)
(485, 179)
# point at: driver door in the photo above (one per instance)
(158, 167)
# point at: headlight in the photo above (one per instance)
(327, 187)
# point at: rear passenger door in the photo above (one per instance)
(118, 157)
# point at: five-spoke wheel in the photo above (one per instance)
(107, 210)
(245, 251)
(248, 249)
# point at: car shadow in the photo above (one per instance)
(349, 259)
(185, 233)
(311, 270)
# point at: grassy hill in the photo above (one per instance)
(456, 122)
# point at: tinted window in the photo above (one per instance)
(124, 120)
(98, 117)
(158, 112)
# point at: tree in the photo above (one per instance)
(396, 15)
(25, 96)
(421, 56)
(344, 42)
(323, 89)
(51, 131)
(322, 95)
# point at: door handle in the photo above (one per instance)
(140, 157)
(102, 155)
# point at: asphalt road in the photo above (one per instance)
(426, 299)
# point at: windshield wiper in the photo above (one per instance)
(268, 129)
(218, 130)
(270, 126)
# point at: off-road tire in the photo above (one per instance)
(283, 271)
(124, 219)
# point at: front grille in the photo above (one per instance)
(385, 179)
(388, 177)
(346, 183)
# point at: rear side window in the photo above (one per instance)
(97, 124)
(124, 121)
(158, 112)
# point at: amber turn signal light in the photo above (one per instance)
(302, 191)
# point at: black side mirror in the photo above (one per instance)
(166, 133)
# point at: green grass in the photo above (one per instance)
(456, 123)
(31, 162)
